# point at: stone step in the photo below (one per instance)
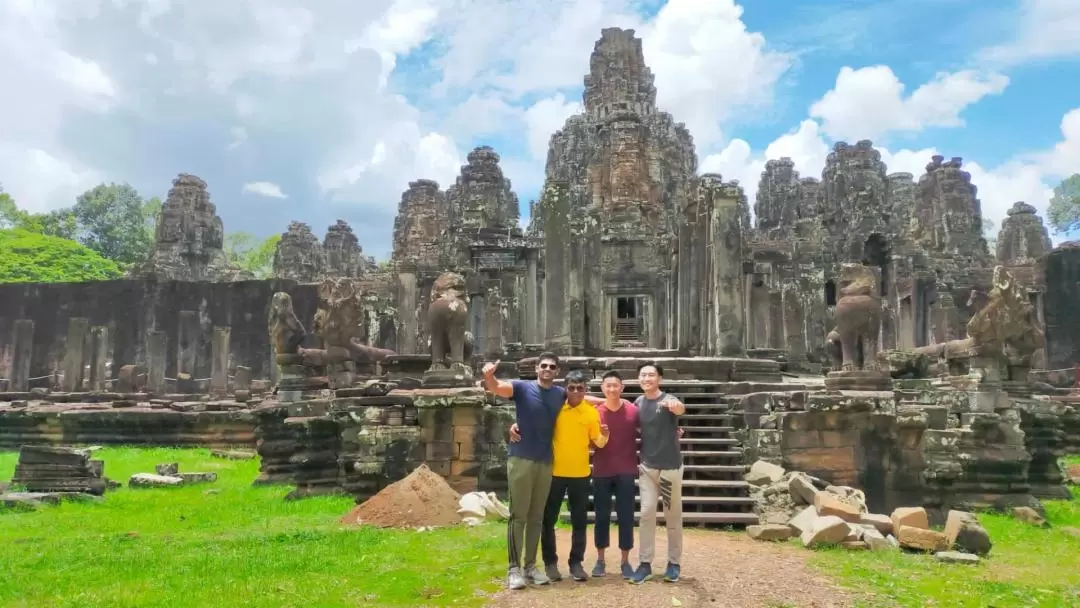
(717, 518)
(727, 501)
(715, 468)
(716, 417)
(711, 454)
(709, 441)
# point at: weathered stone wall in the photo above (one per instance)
(360, 444)
(132, 309)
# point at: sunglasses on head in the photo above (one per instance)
(548, 366)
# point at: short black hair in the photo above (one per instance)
(576, 376)
(644, 364)
(549, 356)
(611, 374)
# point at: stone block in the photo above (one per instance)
(881, 523)
(464, 468)
(876, 541)
(921, 539)
(440, 450)
(149, 480)
(828, 503)
(963, 531)
(956, 557)
(763, 473)
(914, 517)
(832, 460)
(804, 520)
(828, 530)
(802, 488)
(773, 532)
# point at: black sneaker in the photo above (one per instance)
(552, 572)
(577, 572)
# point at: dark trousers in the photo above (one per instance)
(623, 488)
(576, 492)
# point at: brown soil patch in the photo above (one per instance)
(1073, 471)
(720, 570)
(423, 498)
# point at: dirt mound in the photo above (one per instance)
(423, 498)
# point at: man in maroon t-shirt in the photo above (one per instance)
(615, 471)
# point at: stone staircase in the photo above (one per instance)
(714, 492)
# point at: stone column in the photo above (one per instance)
(407, 302)
(187, 335)
(21, 355)
(157, 359)
(531, 334)
(99, 354)
(219, 361)
(74, 354)
(493, 321)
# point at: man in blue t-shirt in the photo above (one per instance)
(528, 469)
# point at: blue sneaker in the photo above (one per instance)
(627, 571)
(599, 570)
(671, 575)
(642, 574)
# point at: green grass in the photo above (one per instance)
(1028, 566)
(235, 546)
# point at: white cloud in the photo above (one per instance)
(267, 189)
(1046, 29)
(867, 103)
(1064, 159)
(708, 65)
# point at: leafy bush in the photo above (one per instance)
(26, 257)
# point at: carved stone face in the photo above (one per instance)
(448, 283)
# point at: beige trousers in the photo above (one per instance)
(665, 486)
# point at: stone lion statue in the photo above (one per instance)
(858, 317)
(448, 318)
(286, 331)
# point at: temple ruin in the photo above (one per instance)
(957, 390)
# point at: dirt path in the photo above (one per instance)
(720, 570)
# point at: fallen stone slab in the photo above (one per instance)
(828, 503)
(771, 532)
(804, 520)
(801, 487)
(150, 480)
(234, 454)
(876, 541)
(1029, 516)
(193, 478)
(883, 523)
(956, 557)
(32, 500)
(763, 473)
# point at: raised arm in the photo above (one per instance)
(501, 388)
(594, 400)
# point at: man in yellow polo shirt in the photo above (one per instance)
(577, 425)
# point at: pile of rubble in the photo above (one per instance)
(422, 500)
(169, 476)
(792, 504)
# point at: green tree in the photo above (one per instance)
(989, 234)
(112, 220)
(28, 257)
(58, 223)
(1064, 211)
(246, 251)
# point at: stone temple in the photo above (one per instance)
(853, 325)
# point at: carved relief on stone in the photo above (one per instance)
(299, 255)
(858, 317)
(1023, 238)
(448, 318)
(1007, 326)
(340, 314)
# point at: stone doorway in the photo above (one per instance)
(628, 320)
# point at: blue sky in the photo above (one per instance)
(315, 110)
